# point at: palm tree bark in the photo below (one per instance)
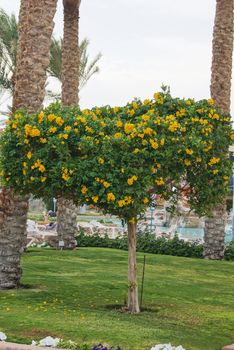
(221, 74)
(36, 26)
(133, 304)
(66, 218)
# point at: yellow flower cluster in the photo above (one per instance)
(110, 197)
(105, 183)
(159, 98)
(51, 117)
(187, 162)
(59, 121)
(41, 117)
(154, 144)
(126, 201)
(38, 165)
(118, 135)
(84, 189)
(129, 127)
(119, 124)
(32, 131)
(95, 199)
(189, 151)
(160, 181)
(174, 126)
(131, 180)
(66, 174)
(52, 129)
(213, 161)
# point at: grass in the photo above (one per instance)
(75, 295)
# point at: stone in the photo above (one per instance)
(228, 347)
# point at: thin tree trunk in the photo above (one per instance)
(35, 30)
(133, 303)
(66, 216)
(221, 74)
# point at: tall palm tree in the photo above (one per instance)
(221, 74)
(66, 218)
(28, 93)
(8, 55)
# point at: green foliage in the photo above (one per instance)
(8, 52)
(229, 251)
(147, 243)
(115, 158)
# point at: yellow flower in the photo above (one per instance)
(42, 168)
(145, 200)
(131, 180)
(116, 109)
(84, 189)
(82, 119)
(119, 124)
(41, 117)
(43, 178)
(29, 155)
(225, 177)
(101, 133)
(154, 144)
(88, 129)
(128, 128)
(210, 101)
(134, 105)
(121, 203)
(110, 197)
(26, 141)
(132, 221)
(188, 102)
(160, 181)
(42, 140)
(51, 117)
(187, 162)
(148, 131)
(31, 130)
(59, 121)
(52, 129)
(146, 102)
(106, 184)
(198, 159)
(95, 199)
(67, 128)
(162, 142)
(25, 171)
(118, 135)
(145, 117)
(101, 161)
(189, 151)
(32, 178)
(213, 161)
(215, 171)
(158, 98)
(136, 150)
(131, 112)
(66, 174)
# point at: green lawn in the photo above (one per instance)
(73, 295)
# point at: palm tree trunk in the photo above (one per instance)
(33, 58)
(133, 304)
(66, 218)
(221, 74)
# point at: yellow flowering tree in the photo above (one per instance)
(115, 158)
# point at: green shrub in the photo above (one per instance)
(147, 243)
(229, 251)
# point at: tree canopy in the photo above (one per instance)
(115, 158)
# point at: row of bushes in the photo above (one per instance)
(147, 243)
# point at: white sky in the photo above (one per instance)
(144, 43)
